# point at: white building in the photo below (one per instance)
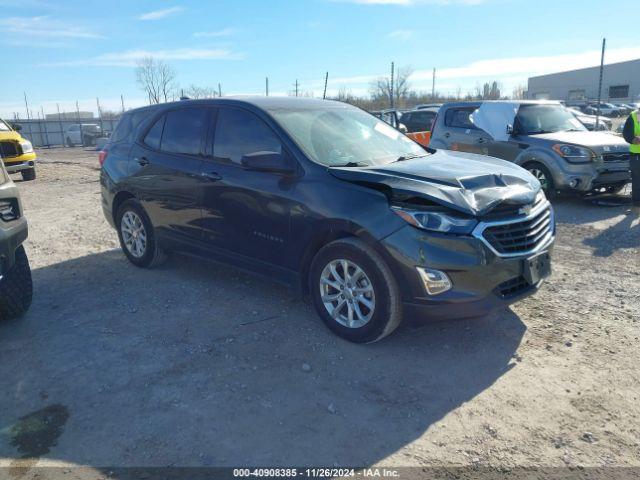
(620, 84)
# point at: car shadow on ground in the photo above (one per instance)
(196, 364)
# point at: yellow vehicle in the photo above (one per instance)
(17, 152)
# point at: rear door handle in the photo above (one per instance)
(212, 176)
(142, 161)
(480, 140)
(447, 135)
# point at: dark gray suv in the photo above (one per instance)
(541, 136)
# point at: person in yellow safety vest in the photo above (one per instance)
(631, 133)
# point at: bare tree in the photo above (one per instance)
(196, 92)
(381, 88)
(519, 92)
(156, 78)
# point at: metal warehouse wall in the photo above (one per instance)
(557, 86)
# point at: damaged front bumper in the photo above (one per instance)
(482, 276)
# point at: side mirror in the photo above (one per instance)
(273, 162)
(510, 130)
(402, 128)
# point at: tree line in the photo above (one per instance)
(159, 81)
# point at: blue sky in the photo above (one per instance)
(63, 51)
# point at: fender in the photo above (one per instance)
(542, 156)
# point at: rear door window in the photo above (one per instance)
(460, 118)
(239, 133)
(184, 130)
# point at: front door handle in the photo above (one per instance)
(480, 140)
(212, 176)
(447, 135)
(142, 161)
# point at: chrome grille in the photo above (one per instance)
(519, 235)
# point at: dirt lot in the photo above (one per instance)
(197, 364)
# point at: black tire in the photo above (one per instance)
(549, 186)
(16, 288)
(28, 174)
(153, 255)
(387, 311)
(69, 142)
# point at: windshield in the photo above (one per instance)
(4, 127)
(345, 136)
(533, 119)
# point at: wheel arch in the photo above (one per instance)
(330, 234)
(118, 200)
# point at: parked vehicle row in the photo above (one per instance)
(541, 136)
(323, 196)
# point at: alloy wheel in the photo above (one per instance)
(347, 293)
(134, 234)
(541, 177)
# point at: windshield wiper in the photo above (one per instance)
(410, 157)
(350, 164)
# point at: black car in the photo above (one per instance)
(325, 197)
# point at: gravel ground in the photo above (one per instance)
(198, 364)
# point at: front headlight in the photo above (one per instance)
(573, 153)
(436, 221)
(26, 146)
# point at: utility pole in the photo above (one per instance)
(326, 79)
(26, 104)
(433, 85)
(46, 130)
(60, 125)
(296, 84)
(219, 90)
(99, 113)
(122, 102)
(80, 123)
(391, 88)
(604, 42)
(266, 85)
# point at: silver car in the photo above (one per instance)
(541, 136)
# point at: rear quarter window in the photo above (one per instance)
(127, 126)
(460, 118)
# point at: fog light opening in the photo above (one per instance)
(574, 182)
(435, 281)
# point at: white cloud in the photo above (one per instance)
(158, 14)
(129, 58)
(403, 35)
(225, 32)
(44, 26)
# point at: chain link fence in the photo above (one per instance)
(63, 131)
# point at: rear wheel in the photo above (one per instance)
(28, 174)
(16, 288)
(354, 292)
(137, 235)
(543, 175)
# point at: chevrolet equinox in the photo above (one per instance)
(325, 197)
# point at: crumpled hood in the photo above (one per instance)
(10, 136)
(586, 139)
(469, 183)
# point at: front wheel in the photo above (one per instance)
(354, 292)
(29, 174)
(137, 235)
(16, 288)
(543, 175)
